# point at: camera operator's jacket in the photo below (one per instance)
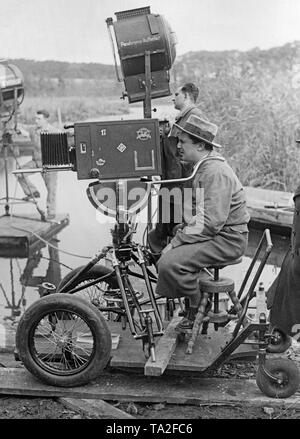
(215, 230)
(216, 200)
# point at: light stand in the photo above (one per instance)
(7, 147)
(13, 305)
(7, 201)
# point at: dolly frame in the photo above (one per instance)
(120, 254)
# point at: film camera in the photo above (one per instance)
(122, 149)
(105, 150)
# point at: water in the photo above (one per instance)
(88, 231)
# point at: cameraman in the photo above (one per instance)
(215, 214)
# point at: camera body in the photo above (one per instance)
(106, 149)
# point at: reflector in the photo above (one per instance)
(137, 31)
(11, 85)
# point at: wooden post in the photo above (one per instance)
(60, 124)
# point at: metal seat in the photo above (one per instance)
(220, 285)
(219, 266)
(210, 288)
(217, 284)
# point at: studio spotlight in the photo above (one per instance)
(11, 88)
(138, 32)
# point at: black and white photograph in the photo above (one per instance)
(149, 212)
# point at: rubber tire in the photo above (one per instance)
(278, 365)
(281, 347)
(94, 319)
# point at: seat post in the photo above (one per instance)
(216, 296)
(216, 303)
(210, 289)
(216, 274)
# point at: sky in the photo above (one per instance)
(75, 30)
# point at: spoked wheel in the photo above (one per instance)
(279, 342)
(97, 294)
(287, 374)
(63, 340)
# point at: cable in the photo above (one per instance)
(64, 251)
(58, 262)
(147, 227)
(48, 243)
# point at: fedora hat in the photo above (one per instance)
(200, 128)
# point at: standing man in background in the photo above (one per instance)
(42, 125)
(185, 98)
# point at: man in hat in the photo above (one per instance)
(215, 229)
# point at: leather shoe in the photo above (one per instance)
(185, 325)
(32, 196)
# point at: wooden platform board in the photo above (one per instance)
(16, 233)
(94, 408)
(164, 350)
(138, 388)
(130, 353)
